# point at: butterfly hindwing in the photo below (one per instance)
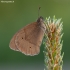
(12, 44)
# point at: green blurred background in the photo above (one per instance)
(14, 16)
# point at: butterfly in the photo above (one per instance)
(28, 39)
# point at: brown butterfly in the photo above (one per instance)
(28, 39)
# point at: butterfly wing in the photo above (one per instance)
(29, 39)
(12, 44)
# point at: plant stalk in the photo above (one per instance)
(53, 44)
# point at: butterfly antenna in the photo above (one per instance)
(39, 12)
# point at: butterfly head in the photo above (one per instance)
(41, 24)
(40, 19)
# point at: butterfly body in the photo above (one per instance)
(28, 39)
